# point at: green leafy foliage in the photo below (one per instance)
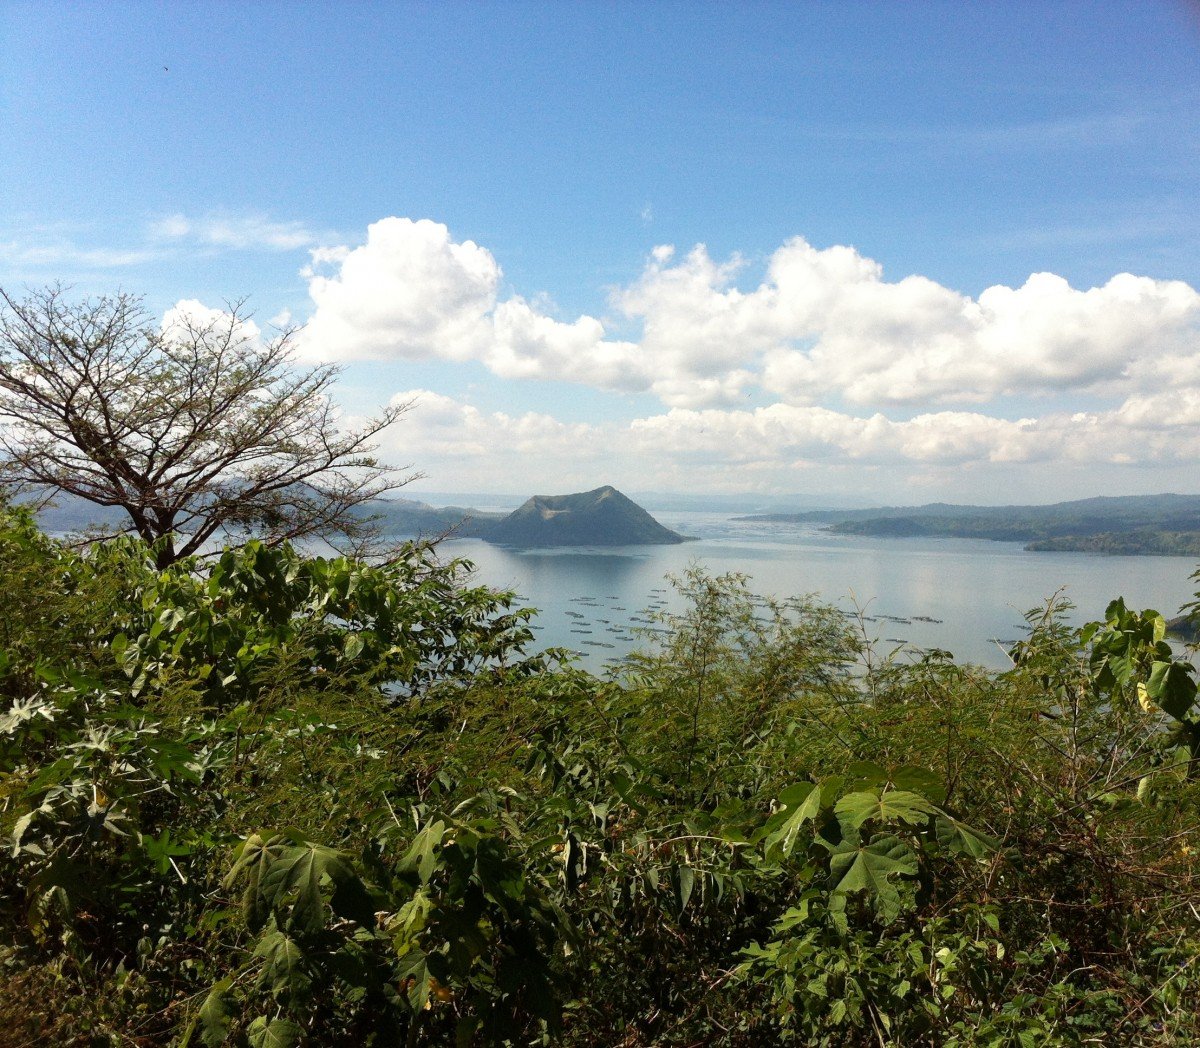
(761, 831)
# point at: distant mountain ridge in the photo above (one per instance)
(407, 517)
(70, 514)
(601, 517)
(1166, 524)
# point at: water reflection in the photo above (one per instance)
(591, 598)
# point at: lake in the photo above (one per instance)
(589, 598)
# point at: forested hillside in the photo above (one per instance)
(1166, 525)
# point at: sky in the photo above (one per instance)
(851, 252)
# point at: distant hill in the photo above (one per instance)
(397, 517)
(1184, 627)
(603, 517)
(1153, 524)
(404, 517)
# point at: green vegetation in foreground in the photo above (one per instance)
(275, 801)
(1164, 525)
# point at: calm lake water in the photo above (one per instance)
(588, 598)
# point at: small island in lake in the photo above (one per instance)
(602, 517)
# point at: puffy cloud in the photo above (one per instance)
(189, 316)
(797, 433)
(529, 344)
(825, 322)
(1171, 409)
(457, 443)
(409, 292)
(773, 447)
(821, 331)
(820, 326)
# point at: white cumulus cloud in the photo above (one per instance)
(819, 366)
(825, 322)
(409, 292)
(821, 326)
(189, 316)
(779, 446)
(455, 442)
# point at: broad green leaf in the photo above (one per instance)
(800, 804)
(854, 809)
(870, 868)
(413, 972)
(863, 774)
(284, 970)
(410, 921)
(299, 873)
(22, 824)
(276, 1033)
(350, 899)
(1160, 625)
(927, 783)
(253, 859)
(1124, 668)
(464, 1031)
(216, 1013)
(1171, 686)
(422, 853)
(302, 868)
(961, 839)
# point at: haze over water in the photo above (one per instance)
(588, 598)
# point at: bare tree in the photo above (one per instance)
(196, 429)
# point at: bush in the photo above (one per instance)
(276, 800)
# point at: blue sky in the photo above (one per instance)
(473, 204)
